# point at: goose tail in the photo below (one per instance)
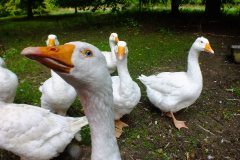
(143, 78)
(79, 123)
(40, 88)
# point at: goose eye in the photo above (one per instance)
(201, 41)
(87, 53)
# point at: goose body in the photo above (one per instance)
(34, 133)
(126, 92)
(173, 91)
(110, 56)
(84, 67)
(8, 83)
(55, 85)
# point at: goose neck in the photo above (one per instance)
(193, 69)
(123, 72)
(98, 107)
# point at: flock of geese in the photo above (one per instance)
(81, 69)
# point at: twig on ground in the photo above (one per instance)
(206, 130)
(234, 100)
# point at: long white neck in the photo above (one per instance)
(193, 70)
(112, 46)
(98, 107)
(125, 78)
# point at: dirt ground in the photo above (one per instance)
(213, 121)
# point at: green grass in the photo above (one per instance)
(148, 53)
(151, 50)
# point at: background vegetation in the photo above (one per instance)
(157, 41)
(212, 8)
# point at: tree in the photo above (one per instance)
(29, 5)
(9, 7)
(175, 7)
(142, 3)
(213, 8)
(75, 3)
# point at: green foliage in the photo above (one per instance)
(93, 5)
(42, 7)
(9, 8)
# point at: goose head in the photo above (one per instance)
(121, 50)
(113, 38)
(202, 44)
(80, 62)
(52, 40)
(83, 66)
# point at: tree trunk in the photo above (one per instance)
(213, 8)
(140, 5)
(175, 7)
(75, 10)
(29, 9)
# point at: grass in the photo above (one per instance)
(153, 47)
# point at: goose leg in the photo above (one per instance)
(178, 124)
(119, 125)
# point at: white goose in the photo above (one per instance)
(110, 56)
(126, 92)
(52, 40)
(173, 91)
(8, 83)
(55, 85)
(34, 133)
(84, 67)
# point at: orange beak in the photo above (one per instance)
(116, 39)
(57, 58)
(51, 42)
(121, 52)
(208, 48)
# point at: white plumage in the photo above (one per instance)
(110, 56)
(8, 83)
(83, 66)
(126, 92)
(34, 133)
(173, 91)
(57, 95)
(52, 40)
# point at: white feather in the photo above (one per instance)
(173, 91)
(110, 56)
(8, 83)
(34, 133)
(126, 92)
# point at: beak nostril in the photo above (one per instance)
(53, 49)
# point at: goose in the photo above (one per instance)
(173, 91)
(55, 85)
(126, 92)
(8, 83)
(84, 67)
(110, 56)
(52, 40)
(34, 133)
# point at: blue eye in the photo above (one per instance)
(88, 53)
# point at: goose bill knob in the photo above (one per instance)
(121, 52)
(57, 58)
(51, 42)
(121, 49)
